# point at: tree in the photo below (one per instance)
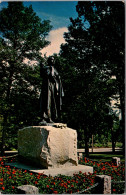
(107, 32)
(85, 90)
(22, 36)
(88, 53)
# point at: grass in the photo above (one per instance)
(102, 145)
(118, 144)
(106, 157)
(108, 145)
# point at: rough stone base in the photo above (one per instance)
(27, 189)
(48, 146)
(116, 161)
(104, 186)
(68, 171)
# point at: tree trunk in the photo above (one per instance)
(121, 81)
(113, 141)
(123, 128)
(3, 135)
(122, 122)
(92, 143)
(86, 144)
(5, 115)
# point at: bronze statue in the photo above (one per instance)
(51, 92)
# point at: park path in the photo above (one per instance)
(95, 150)
(99, 150)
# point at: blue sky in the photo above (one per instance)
(58, 12)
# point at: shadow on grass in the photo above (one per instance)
(106, 156)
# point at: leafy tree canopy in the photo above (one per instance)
(22, 37)
(94, 52)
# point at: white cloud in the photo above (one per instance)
(55, 21)
(56, 39)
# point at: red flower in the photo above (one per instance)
(13, 187)
(55, 192)
(13, 171)
(47, 186)
(65, 186)
(3, 188)
(38, 177)
(31, 173)
(114, 190)
(36, 182)
(61, 184)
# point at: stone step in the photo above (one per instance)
(68, 171)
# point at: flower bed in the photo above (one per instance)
(117, 173)
(10, 178)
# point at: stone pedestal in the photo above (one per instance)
(116, 161)
(48, 146)
(104, 184)
(27, 189)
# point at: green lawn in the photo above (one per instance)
(106, 157)
(109, 145)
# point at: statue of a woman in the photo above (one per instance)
(51, 92)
